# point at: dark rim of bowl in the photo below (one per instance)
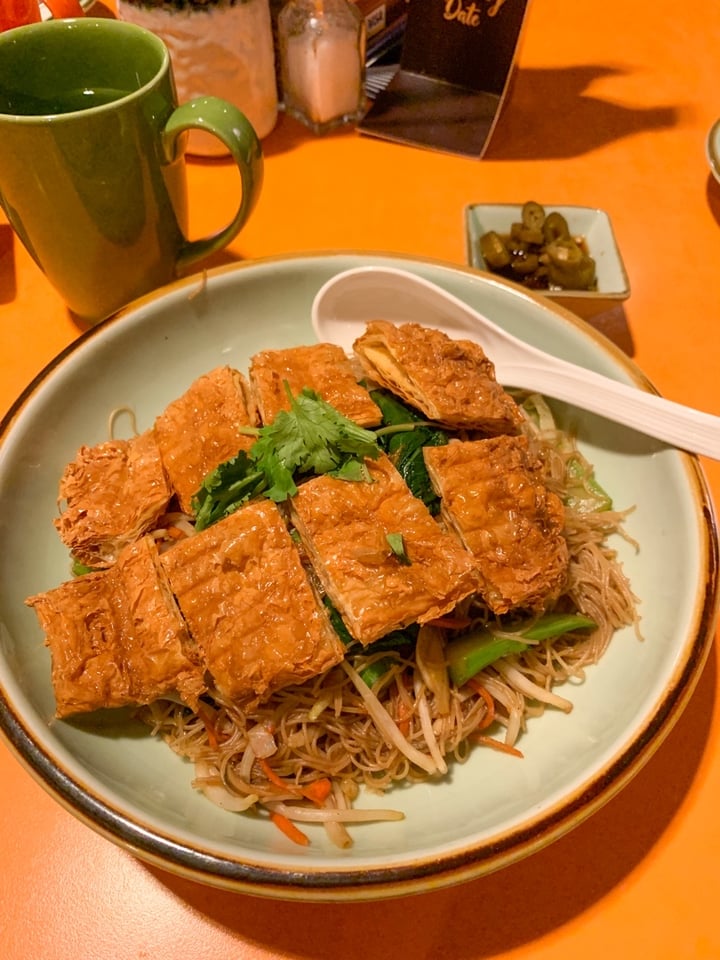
(395, 880)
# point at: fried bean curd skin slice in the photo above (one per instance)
(345, 526)
(199, 430)
(494, 497)
(451, 381)
(117, 638)
(324, 368)
(249, 604)
(112, 493)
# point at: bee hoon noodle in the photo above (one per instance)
(463, 660)
(403, 728)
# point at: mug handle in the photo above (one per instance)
(217, 116)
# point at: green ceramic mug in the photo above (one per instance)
(92, 174)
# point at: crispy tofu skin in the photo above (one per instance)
(113, 493)
(344, 528)
(494, 497)
(249, 605)
(116, 637)
(450, 381)
(160, 654)
(199, 430)
(323, 368)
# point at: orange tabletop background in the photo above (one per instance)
(610, 108)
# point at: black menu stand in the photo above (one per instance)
(455, 66)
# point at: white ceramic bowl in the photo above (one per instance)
(594, 225)
(712, 149)
(487, 813)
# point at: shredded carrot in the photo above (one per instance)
(497, 745)
(274, 778)
(489, 703)
(450, 623)
(175, 533)
(404, 726)
(318, 791)
(289, 829)
(209, 719)
(403, 711)
(402, 719)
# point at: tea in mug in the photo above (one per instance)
(22, 104)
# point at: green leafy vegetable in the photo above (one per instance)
(226, 488)
(401, 639)
(372, 673)
(396, 640)
(405, 444)
(583, 493)
(310, 438)
(337, 623)
(469, 654)
(397, 545)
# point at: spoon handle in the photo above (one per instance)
(683, 427)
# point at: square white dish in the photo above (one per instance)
(590, 223)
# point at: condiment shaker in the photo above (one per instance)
(322, 55)
(221, 48)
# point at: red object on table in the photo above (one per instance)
(16, 13)
(61, 9)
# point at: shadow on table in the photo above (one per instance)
(7, 264)
(485, 917)
(712, 192)
(614, 325)
(287, 134)
(580, 122)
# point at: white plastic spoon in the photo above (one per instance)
(345, 303)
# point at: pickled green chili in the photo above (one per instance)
(540, 252)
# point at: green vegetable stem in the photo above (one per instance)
(468, 655)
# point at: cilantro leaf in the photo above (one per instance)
(397, 545)
(311, 438)
(224, 489)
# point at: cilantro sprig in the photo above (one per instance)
(311, 438)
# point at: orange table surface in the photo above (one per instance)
(610, 107)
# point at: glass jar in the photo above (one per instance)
(322, 55)
(221, 48)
